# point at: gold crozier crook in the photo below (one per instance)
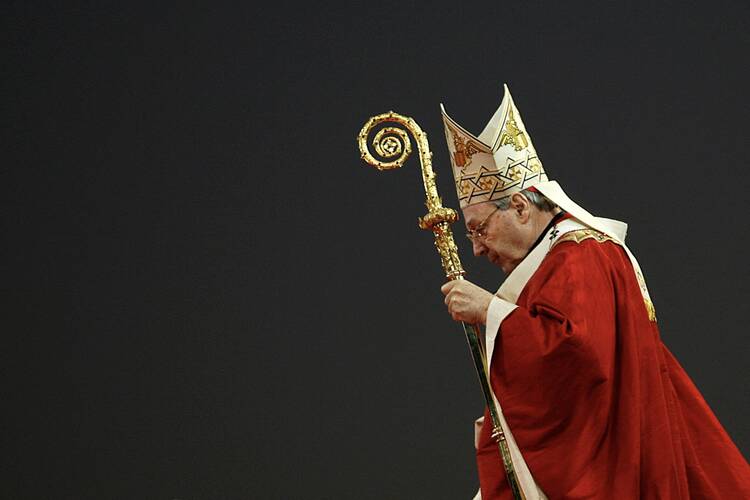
(393, 144)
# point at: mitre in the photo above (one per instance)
(497, 163)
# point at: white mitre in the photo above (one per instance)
(498, 163)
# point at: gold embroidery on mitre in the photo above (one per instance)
(515, 173)
(512, 134)
(479, 184)
(464, 148)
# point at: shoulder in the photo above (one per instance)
(580, 235)
(587, 249)
(581, 268)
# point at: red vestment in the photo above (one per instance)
(597, 404)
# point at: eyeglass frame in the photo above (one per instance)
(478, 232)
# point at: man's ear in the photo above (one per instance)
(521, 207)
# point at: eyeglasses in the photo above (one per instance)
(479, 232)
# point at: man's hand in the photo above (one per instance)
(466, 302)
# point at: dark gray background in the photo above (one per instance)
(209, 296)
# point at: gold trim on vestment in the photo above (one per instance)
(580, 235)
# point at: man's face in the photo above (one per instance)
(505, 234)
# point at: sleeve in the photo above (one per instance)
(497, 311)
(556, 349)
(567, 307)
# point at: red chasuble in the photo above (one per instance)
(597, 404)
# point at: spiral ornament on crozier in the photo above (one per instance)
(391, 143)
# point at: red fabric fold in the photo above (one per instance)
(598, 405)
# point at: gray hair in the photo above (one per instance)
(535, 198)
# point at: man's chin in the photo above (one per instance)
(505, 266)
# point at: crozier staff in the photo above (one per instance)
(594, 404)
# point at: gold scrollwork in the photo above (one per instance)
(393, 144)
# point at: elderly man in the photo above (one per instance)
(592, 402)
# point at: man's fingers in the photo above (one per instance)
(465, 300)
(447, 287)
